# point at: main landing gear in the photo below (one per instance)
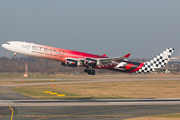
(90, 71)
(14, 56)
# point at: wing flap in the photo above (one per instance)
(108, 60)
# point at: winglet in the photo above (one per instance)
(104, 55)
(127, 55)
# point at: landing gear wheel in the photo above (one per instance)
(15, 58)
(93, 72)
(89, 72)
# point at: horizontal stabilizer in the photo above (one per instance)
(164, 68)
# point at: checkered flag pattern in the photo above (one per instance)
(159, 61)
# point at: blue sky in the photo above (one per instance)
(113, 27)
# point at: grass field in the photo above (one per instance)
(159, 117)
(134, 89)
(9, 79)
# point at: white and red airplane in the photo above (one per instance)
(90, 61)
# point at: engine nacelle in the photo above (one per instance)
(91, 62)
(71, 63)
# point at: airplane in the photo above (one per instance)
(71, 58)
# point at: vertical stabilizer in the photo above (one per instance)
(159, 61)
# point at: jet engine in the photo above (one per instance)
(91, 62)
(71, 63)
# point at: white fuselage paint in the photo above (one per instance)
(22, 48)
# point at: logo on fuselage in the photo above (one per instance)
(48, 50)
(121, 66)
(124, 66)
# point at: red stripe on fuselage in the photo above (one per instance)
(129, 66)
(139, 67)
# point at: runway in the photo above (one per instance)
(78, 81)
(19, 107)
(85, 112)
(89, 102)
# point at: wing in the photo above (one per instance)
(99, 61)
(108, 60)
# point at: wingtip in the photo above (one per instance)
(127, 55)
(104, 55)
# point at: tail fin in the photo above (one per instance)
(159, 61)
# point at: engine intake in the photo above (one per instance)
(91, 62)
(71, 63)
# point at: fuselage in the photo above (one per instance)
(47, 52)
(58, 54)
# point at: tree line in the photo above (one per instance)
(34, 65)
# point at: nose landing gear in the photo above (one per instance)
(14, 56)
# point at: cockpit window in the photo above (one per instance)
(8, 43)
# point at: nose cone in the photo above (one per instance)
(7, 46)
(3, 45)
